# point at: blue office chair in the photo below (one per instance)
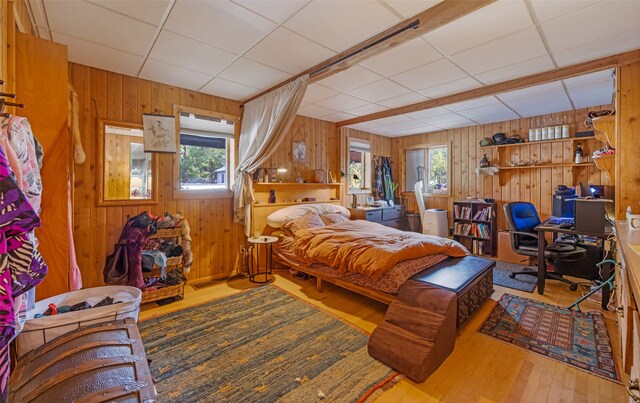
(522, 218)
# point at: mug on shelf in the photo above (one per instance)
(634, 221)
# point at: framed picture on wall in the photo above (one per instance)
(159, 133)
(299, 151)
(318, 176)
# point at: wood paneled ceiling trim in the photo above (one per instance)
(518, 83)
(424, 22)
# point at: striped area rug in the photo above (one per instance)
(262, 345)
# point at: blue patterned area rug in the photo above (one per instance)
(261, 345)
(579, 339)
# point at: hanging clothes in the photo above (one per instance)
(383, 186)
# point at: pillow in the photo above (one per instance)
(332, 218)
(309, 220)
(279, 218)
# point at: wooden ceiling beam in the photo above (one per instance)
(518, 83)
(435, 17)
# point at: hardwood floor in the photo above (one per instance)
(481, 369)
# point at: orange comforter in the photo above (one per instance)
(368, 248)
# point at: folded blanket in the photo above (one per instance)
(368, 248)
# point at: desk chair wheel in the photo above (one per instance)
(512, 275)
(573, 287)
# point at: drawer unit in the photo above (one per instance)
(390, 216)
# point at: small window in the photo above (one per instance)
(359, 165)
(206, 147)
(429, 164)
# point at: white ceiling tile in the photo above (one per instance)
(185, 52)
(611, 45)
(253, 74)
(592, 23)
(450, 88)
(379, 90)
(411, 124)
(429, 75)
(350, 79)
(314, 111)
(317, 92)
(392, 119)
(95, 24)
(364, 125)
(173, 75)
(489, 23)
(590, 79)
(517, 70)
(597, 93)
(409, 8)
(488, 112)
(219, 23)
(288, 51)
(341, 102)
(515, 48)
(473, 103)
(454, 124)
(150, 11)
(338, 117)
(428, 113)
(538, 100)
(339, 25)
(442, 119)
(549, 9)
(229, 89)
(495, 117)
(277, 12)
(412, 54)
(403, 100)
(90, 54)
(366, 109)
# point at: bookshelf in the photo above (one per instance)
(474, 226)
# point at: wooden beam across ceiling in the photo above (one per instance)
(435, 17)
(518, 83)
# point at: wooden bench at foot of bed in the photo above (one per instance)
(470, 277)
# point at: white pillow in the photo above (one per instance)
(279, 218)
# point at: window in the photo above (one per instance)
(206, 153)
(429, 164)
(359, 165)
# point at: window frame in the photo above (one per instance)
(100, 199)
(425, 147)
(367, 179)
(232, 152)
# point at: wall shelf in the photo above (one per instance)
(528, 143)
(607, 163)
(292, 185)
(258, 205)
(584, 164)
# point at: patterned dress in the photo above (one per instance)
(21, 265)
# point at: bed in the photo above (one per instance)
(321, 241)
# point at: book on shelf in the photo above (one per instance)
(460, 212)
(477, 247)
(483, 215)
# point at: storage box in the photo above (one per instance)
(38, 331)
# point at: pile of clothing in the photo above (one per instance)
(80, 306)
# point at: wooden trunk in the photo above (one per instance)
(101, 362)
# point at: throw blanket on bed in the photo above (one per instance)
(368, 248)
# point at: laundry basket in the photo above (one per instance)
(38, 331)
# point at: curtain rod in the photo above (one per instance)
(412, 25)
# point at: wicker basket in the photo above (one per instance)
(174, 261)
(167, 233)
(162, 293)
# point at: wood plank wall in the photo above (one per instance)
(535, 185)
(322, 144)
(117, 97)
(627, 172)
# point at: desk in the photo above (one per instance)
(547, 226)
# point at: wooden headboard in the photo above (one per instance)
(288, 194)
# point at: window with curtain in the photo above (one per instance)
(359, 165)
(206, 144)
(429, 164)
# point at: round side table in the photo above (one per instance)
(265, 243)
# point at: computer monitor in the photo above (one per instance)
(590, 190)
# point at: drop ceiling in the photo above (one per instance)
(236, 49)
